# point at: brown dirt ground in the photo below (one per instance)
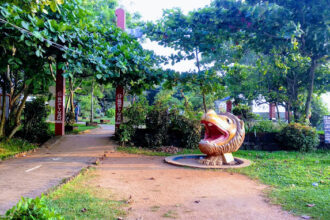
(159, 190)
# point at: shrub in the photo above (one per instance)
(134, 117)
(298, 137)
(111, 113)
(30, 209)
(35, 128)
(70, 119)
(264, 126)
(157, 123)
(187, 131)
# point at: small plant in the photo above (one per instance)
(298, 137)
(70, 119)
(35, 127)
(134, 117)
(110, 113)
(31, 209)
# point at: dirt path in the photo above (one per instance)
(37, 172)
(158, 191)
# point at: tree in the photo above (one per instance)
(184, 34)
(270, 24)
(63, 34)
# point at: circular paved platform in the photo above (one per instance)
(192, 160)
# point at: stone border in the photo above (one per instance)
(174, 160)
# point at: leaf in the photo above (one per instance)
(98, 76)
(25, 25)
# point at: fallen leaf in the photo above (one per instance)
(311, 205)
(129, 200)
(83, 210)
(197, 201)
(305, 217)
(151, 178)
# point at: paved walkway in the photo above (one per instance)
(38, 172)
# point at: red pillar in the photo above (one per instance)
(272, 112)
(59, 103)
(229, 106)
(120, 13)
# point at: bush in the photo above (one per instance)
(157, 123)
(70, 119)
(298, 137)
(35, 129)
(265, 126)
(111, 113)
(134, 117)
(187, 131)
(30, 209)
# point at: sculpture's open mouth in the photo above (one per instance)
(214, 133)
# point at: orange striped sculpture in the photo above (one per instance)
(224, 134)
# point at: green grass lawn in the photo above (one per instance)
(14, 146)
(81, 128)
(81, 199)
(291, 175)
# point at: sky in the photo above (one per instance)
(151, 10)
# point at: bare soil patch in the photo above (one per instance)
(155, 190)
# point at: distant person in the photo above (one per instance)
(76, 111)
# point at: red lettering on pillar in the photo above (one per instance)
(59, 103)
(119, 105)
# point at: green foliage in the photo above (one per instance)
(111, 113)
(30, 209)
(187, 131)
(319, 109)
(298, 137)
(35, 127)
(157, 123)
(134, 116)
(70, 119)
(265, 126)
(243, 111)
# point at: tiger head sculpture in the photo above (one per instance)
(224, 134)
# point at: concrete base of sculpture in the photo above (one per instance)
(198, 161)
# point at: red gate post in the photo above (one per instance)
(272, 112)
(120, 13)
(229, 106)
(59, 103)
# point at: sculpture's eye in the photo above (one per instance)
(228, 121)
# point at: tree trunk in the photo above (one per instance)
(3, 110)
(278, 112)
(71, 95)
(204, 102)
(92, 103)
(18, 115)
(310, 89)
(186, 104)
(288, 107)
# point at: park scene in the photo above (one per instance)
(177, 109)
